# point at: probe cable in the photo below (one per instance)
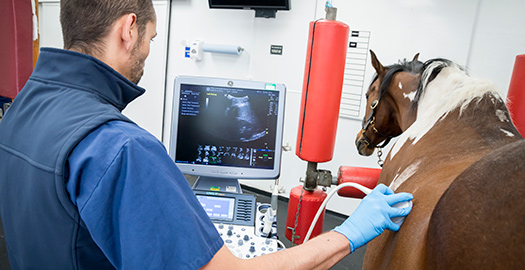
(365, 190)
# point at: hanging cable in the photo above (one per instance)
(323, 205)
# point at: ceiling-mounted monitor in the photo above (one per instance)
(263, 8)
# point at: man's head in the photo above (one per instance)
(117, 32)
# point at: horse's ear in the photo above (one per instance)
(416, 57)
(380, 69)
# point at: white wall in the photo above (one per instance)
(457, 30)
(484, 35)
(499, 35)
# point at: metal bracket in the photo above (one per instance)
(315, 177)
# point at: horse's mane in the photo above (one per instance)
(434, 101)
(429, 70)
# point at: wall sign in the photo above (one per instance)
(354, 78)
(276, 49)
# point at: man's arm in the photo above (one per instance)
(322, 252)
(369, 220)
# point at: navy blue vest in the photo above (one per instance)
(68, 95)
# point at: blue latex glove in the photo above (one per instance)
(373, 216)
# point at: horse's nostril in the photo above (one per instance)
(360, 146)
(359, 142)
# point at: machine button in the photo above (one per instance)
(246, 237)
(252, 249)
(221, 226)
(230, 227)
(229, 233)
(228, 241)
(240, 242)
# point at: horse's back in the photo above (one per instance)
(479, 222)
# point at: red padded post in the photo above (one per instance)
(367, 177)
(516, 94)
(16, 46)
(310, 203)
(322, 88)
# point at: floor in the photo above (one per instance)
(352, 261)
(4, 262)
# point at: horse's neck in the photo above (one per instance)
(454, 126)
(452, 89)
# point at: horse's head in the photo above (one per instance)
(389, 109)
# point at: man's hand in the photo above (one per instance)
(373, 216)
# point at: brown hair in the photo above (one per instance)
(86, 22)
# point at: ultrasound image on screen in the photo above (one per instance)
(232, 117)
(227, 126)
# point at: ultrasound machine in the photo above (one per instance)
(224, 130)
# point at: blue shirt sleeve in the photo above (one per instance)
(136, 204)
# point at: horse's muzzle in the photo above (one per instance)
(363, 147)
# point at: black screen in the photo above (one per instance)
(278, 4)
(227, 126)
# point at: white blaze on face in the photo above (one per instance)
(407, 173)
(502, 116)
(410, 95)
(508, 133)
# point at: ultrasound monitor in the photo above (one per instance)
(224, 130)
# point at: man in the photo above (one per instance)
(83, 187)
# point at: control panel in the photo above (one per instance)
(242, 241)
(234, 218)
(228, 208)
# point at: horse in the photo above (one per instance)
(461, 157)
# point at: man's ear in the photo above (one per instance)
(129, 30)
